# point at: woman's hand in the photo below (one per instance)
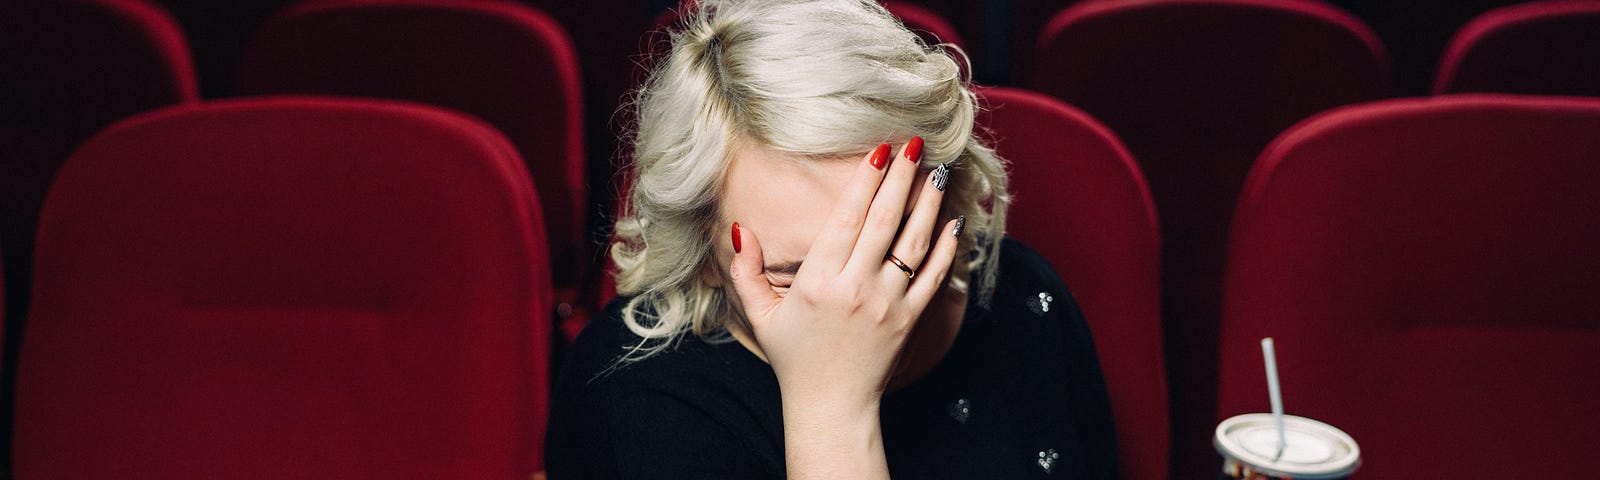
(833, 339)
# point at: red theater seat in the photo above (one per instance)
(1081, 202)
(926, 23)
(69, 68)
(1427, 268)
(288, 288)
(504, 62)
(1549, 48)
(1196, 88)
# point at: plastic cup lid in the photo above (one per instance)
(1315, 449)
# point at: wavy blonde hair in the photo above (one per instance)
(807, 78)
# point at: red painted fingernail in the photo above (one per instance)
(880, 157)
(914, 149)
(737, 245)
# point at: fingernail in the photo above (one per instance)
(914, 149)
(941, 176)
(737, 245)
(961, 224)
(880, 157)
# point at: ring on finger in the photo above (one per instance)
(910, 273)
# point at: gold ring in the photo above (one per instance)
(909, 272)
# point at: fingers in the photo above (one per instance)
(888, 208)
(749, 275)
(917, 236)
(936, 268)
(831, 250)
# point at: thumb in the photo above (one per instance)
(749, 275)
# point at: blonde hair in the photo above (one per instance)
(808, 78)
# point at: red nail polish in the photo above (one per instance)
(914, 149)
(880, 157)
(737, 245)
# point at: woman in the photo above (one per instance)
(814, 282)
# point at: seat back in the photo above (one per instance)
(70, 68)
(1427, 268)
(1196, 88)
(81, 64)
(926, 23)
(288, 288)
(1079, 200)
(1548, 48)
(503, 62)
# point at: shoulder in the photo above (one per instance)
(1024, 274)
(608, 356)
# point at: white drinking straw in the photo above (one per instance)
(1274, 393)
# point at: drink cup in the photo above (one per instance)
(1316, 451)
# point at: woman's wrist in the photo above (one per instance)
(820, 406)
(833, 440)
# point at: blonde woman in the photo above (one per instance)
(814, 282)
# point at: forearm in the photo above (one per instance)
(832, 440)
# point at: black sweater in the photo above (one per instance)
(1019, 395)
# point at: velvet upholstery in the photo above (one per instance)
(506, 63)
(71, 67)
(67, 69)
(288, 288)
(1545, 48)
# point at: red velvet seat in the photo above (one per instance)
(69, 68)
(1548, 48)
(926, 23)
(1081, 202)
(1196, 88)
(292, 287)
(506, 63)
(1428, 268)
